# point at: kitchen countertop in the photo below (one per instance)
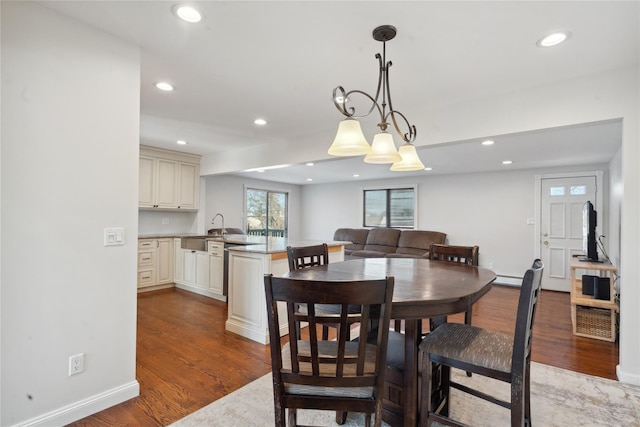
(279, 244)
(169, 235)
(246, 243)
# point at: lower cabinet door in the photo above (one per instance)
(216, 272)
(202, 270)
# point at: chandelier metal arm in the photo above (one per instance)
(406, 137)
(409, 136)
(340, 98)
(339, 93)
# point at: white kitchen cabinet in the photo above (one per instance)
(201, 271)
(168, 179)
(164, 261)
(216, 267)
(178, 262)
(188, 185)
(155, 263)
(195, 268)
(166, 183)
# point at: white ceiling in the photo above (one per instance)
(280, 60)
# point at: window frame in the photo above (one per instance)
(268, 191)
(388, 189)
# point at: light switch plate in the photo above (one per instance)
(114, 236)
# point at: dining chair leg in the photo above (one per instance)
(341, 417)
(293, 417)
(426, 392)
(517, 402)
(446, 388)
(527, 396)
(325, 332)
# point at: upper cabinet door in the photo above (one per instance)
(167, 184)
(168, 180)
(147, 188)
(188, 190)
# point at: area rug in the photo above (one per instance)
(558, 398)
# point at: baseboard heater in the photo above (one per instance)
(508, 280)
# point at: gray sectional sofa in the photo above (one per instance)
(387, 242)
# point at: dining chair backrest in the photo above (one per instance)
(527, 303)
(313, 373)
(307, 256)
(463, 254)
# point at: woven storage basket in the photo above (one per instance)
(594, 321)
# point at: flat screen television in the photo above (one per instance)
(589, 223)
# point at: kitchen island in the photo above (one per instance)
(248, 263)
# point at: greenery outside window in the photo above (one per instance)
(266, 212)
(389, 207)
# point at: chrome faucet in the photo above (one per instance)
(223, 231)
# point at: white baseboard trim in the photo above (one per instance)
(627, 377)
(84, 408)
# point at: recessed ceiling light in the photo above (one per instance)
(187, 13)
(260, 170)
(553, 39)
(167, 87)
(488, 142)
(310, 164)
(260, 122)
(355, 175)
(181, 142)
(507, 162)
(428, 169)
(309, 179)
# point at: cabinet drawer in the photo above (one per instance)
(215, 248)
(146, 278)
(147, 244)
(146, 258)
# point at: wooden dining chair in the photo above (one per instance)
(310, 256)
(488, 353)
(462, 254)
(307, 256)
(339, 375)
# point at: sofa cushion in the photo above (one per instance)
(369, 254)
(416, 243)
(383, 240)
(357, 237)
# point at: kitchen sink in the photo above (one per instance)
(194, 243)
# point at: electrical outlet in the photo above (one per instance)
(491, 265)
(76, 364)
(165, 221)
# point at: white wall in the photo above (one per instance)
(70, 131)
(485, 209)
(225, 195)
(615, 187)
(151, 222)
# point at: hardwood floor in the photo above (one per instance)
(186, 359)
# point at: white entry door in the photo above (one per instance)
(561, 205)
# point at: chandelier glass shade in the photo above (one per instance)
(350, 140)
(383, 150)
(410, 160)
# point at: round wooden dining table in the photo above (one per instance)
(423, 289)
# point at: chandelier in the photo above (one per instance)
(350, 140)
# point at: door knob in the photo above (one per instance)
(545, 242)
(545, 234)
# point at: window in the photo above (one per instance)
(556, 191)
(390, 207)
(578, 190)
(266, 212)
